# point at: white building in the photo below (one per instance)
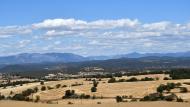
(91, 71)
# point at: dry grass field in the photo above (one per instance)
(104, 89)
(128, 104)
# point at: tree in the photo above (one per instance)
(171, 85)
(11, 92)
(37, 98)
(43, 88)
(118, 99)
(69, 93)
(2, 97)
(161, 88)
(36, 89)
(42, 82)
(27, 92)
(93, 89)
(95, 83)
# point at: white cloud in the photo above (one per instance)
(23, 43)
(100, 36)
(72, 24)
(15, 30)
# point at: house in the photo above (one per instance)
(91, 71)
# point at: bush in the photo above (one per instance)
(111, 80)
(171, 85)
(36, 89)
(58, 86)
(18, 97)
(64, 86)
(147, 79)
(121, 80)
(119, 99)
(153, 97)
(133, 79)
(180, 100)
(166, 78)
(42, 82)
(11, 93)
(183, 90)
(27, 92)
(43, 88)
(161, 88)
(170, 97)
(70, 102)
(2, 97)
(37, 98)
(99, 103)
(83, 96)
(93, 89)
(95, 83)
(69, 93)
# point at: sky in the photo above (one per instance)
(94, 27)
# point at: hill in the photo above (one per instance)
(111, 65)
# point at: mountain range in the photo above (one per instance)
(69, 57)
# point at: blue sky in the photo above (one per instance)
(98, 27)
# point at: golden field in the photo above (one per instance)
(104, 89)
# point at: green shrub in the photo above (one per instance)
(69, 94)
(83, 96)
(27, 92)
(2, 97)
(111, 80)
(183, 90)
(147, 79)
(93, 89)
(43, 88)
(58, 86)
(18, 97)
(119, 99)
(133, 79)
(180, 100)
(37, 98)
(36, 89)
(95, 83)
(42, 82)
(64, 86)
(121, 80)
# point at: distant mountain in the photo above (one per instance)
(39, 58)
(25, 58)
(111, 65)
(139, 55)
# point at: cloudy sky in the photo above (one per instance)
(104, 27)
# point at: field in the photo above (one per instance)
(129, 104)
(107, 90)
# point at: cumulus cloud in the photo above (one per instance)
(104, 36)
(72, 24)
(14, 30)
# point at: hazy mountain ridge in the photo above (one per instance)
(69, 57)
(40, 58)
(110, 65)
